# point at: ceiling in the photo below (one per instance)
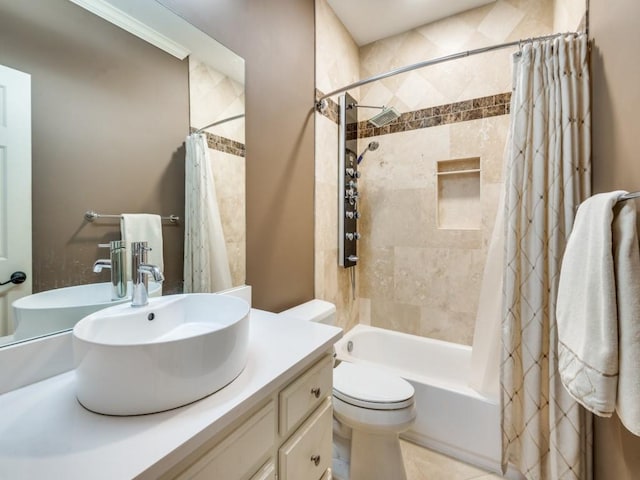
(370, 20)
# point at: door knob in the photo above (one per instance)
(16, 278)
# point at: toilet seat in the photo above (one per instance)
(370, 388)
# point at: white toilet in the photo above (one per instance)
(370, 408)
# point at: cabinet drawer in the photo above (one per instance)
(241, 452)
(307, 454)
(306, 393)
(267, 472)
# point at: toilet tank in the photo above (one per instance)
(314, 311)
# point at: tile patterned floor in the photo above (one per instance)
(423, 464)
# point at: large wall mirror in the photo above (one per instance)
(115, 87)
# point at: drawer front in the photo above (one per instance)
(267, 472)
(241, 452)
(307, 454)
(299, 399)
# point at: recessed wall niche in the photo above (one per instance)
(458, 194)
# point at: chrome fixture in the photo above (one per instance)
(219, 122)
(140, 269)
(371, 147)
(386, 116)
(91, 216)
(628, 196)
(117, 266)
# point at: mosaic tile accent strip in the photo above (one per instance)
(332, 111)
(223, 144)
(474, 109)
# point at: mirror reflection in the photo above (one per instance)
(98, 118)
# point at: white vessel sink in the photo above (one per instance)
(174, 351)
(61, 308)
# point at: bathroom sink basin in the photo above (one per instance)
(61, 308)
(171, 352)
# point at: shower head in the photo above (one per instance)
(372, 146)
(386, 116)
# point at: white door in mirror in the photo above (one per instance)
(171, 352)
(15, 194)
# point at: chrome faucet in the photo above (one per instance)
(140, 269)
(116, 264)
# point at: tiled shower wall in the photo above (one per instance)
(212, 97)
(415, 276)
(337, 64)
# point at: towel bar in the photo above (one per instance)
(91, 215)
(629, 196)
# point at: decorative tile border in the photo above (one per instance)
(474, 109)
(332, 112)
(223, 144)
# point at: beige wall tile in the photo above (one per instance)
(447, 325)
(214, 96)
(326, 166)
(485, 138)
(567, 15)
(376, 272)
(501, 21)
(364, 317)
(462, 79)
(337, 62)
(229, 179)
(395, 316)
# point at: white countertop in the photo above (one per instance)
(46, 433)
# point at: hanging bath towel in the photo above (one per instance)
(142, 227)
(598, 310)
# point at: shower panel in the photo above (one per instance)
(348, 175)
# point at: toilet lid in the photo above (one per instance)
(368, 387)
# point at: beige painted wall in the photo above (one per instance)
(110, 113)
(276, 39)
(616, 143)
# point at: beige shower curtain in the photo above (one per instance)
(206, 264)
(546, 434)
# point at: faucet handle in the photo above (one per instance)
(112, 245)
(141, 246)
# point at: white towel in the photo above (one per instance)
(626, 255)
(598, 302)
(142, 227)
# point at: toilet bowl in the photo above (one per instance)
(370, 407)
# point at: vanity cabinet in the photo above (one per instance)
(307, 454)
(236, 455)
(287, 437)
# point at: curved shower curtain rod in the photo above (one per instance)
(321, 103)
(219, 122)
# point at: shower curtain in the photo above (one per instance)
(546, 434)
(206, 264)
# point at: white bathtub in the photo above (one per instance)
(452, 418)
